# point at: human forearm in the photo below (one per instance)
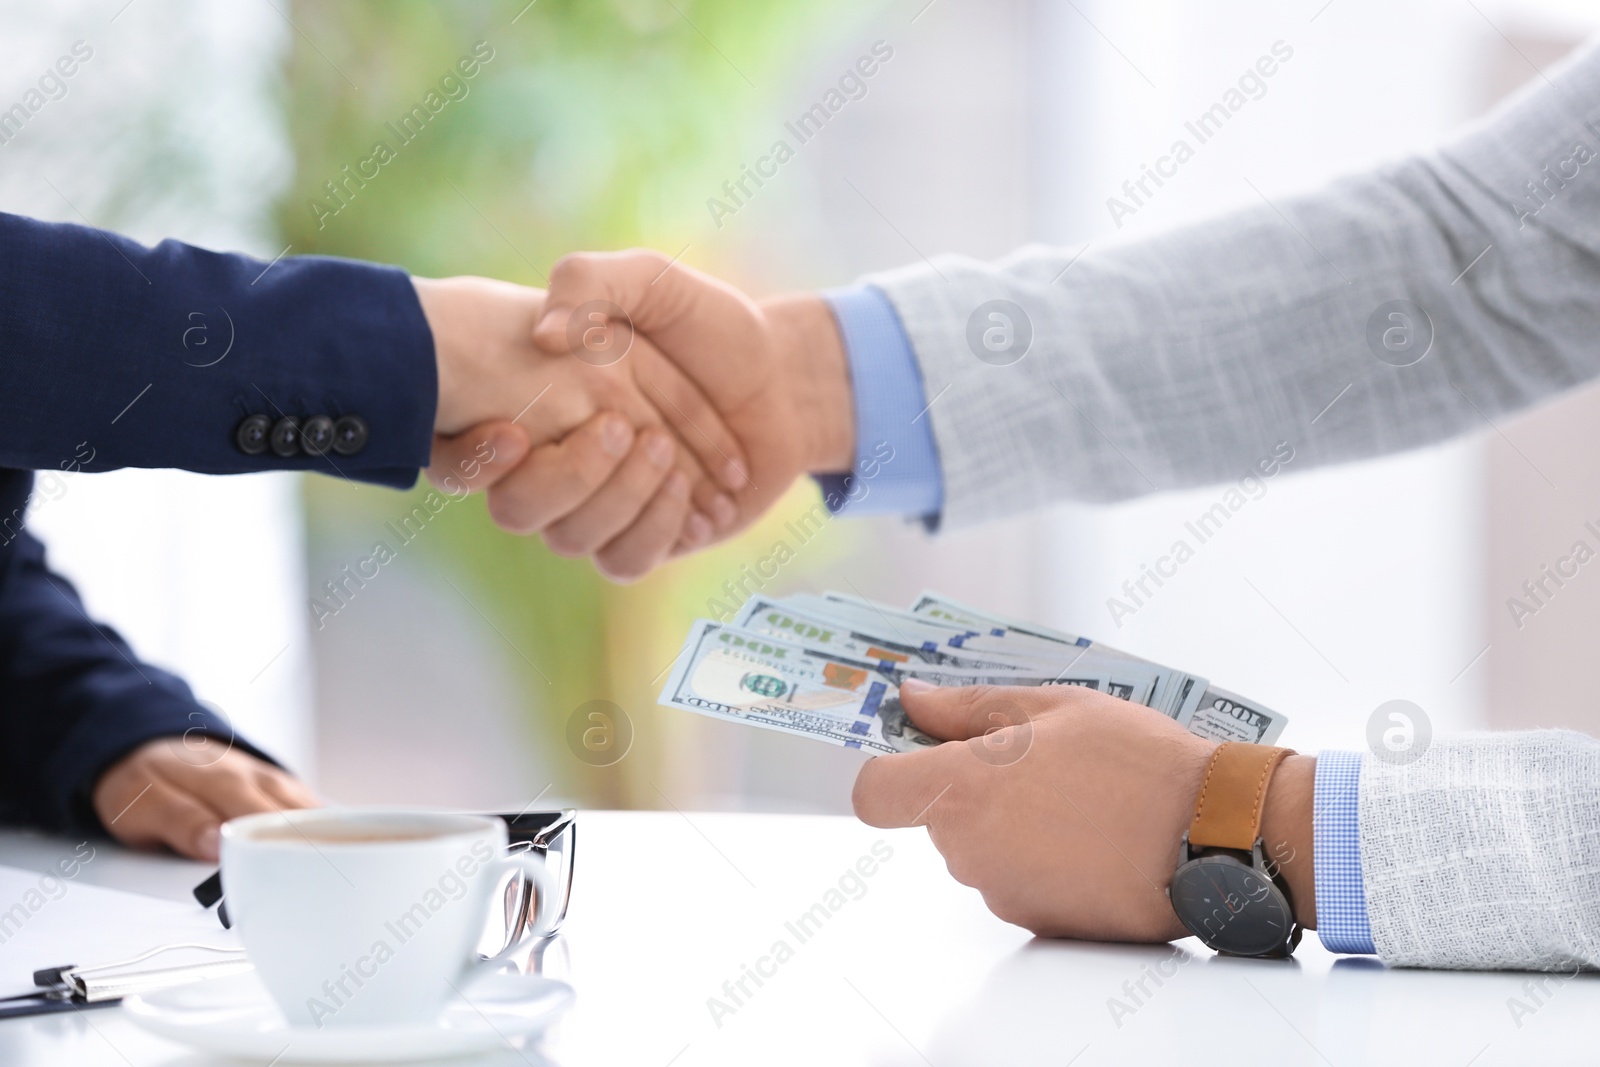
(810, 359)
(1475, 856)
(77, 697)
(101, 330)
(1286, 833)
(1187, 358)
(482, 331)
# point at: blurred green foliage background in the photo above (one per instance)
(589, 124)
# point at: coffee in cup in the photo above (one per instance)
(363, 917)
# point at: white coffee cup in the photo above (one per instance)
(369, 916)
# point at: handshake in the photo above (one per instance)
(637, 410)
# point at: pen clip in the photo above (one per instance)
(50, 980)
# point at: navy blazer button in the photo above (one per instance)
(350, 435)
(251, 436)
(286, 436)
(316, 436)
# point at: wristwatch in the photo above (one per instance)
(1225, 890)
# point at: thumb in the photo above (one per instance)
(942, 712)
(632, 286)
(694, 318)
(476, 458)
(958, 713)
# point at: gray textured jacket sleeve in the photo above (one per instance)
(1188, 358)
(1184, 359)
(1486, 853)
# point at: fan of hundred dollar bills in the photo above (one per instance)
(830, 667)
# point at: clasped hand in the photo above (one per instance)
(638, 410)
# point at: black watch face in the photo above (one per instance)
(1231, 906)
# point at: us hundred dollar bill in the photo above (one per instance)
(1217, 714)
(939, 608)
(843, 628)
(879, 618)
(1223, 716)
(832, 632)
(741, 675)
(731, 673)
(1174, 693)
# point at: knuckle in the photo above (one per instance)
(589, 463)
(963, 870)
(647, 257)
(636, 487)
(621, 568)
(633, 555)
(511, 512)
(863, 793)
(1005, 908)
(591, 470)
(699, 484)
(972, 699)
(564, 540)
(702, 494)
(571, 271)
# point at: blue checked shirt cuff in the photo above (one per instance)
(1336, 840)
(896, 471)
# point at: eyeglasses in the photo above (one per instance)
(550, 835)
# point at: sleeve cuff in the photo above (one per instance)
(1336, 842)
(897, 468)
(113, 731)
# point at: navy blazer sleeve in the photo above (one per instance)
(116, 355)
(73, 696)
(152, 357)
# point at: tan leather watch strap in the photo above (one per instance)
(1227, 813)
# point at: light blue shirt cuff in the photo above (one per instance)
(1336, 841)
(896, 469)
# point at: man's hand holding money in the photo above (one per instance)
(1064, 806)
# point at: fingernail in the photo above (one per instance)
(734, 475)
(616, 435)
(678, 485)
(659, 450)
(915, 687)
(697, 529)
(207, 844)
(723, 511)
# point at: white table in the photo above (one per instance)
(668, 907)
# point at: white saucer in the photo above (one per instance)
(235, 1016)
